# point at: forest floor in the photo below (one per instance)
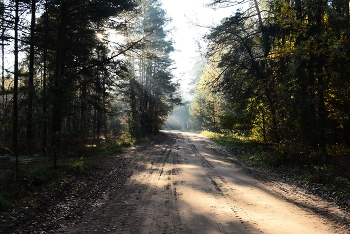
(178, 183)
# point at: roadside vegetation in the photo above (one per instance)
(38, 178)
(329, 181)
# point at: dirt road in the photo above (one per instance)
(180, 183)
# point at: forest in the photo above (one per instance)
(279, 72)
(78, 74)
(78, 77)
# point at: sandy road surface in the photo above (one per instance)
(181, 184)
(178, 183)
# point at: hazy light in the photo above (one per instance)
(190, 24)
(99, 36)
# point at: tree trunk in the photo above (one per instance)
(4, 101)
(31, 79)
(258, 13)
(58, 83)
(15, 92)
(44, 82)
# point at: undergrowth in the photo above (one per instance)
(4, 203)
(332, 180)
(36, 180)
(41, 177)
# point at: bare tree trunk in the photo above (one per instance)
(4, 101)
(258, 13)
(58, 102)
(15, 92)
(45, 75)
(31, 79)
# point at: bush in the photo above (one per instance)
(75, 167)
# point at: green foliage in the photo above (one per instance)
(245, 148)
(112, 147)
(75, 167)
(207, 107)
(240, 123)
(229, 141)
(283, 79)
(135, 128)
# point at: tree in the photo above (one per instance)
(31, 90)
(78, 45)
(207, 107)
(246, 77)
(306, 45)
(152, 72)
(4, 40)
(15, 89)
(66, 87)
(285, 68)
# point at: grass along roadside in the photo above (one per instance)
(324, 180)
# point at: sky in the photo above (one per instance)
(191, 19)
